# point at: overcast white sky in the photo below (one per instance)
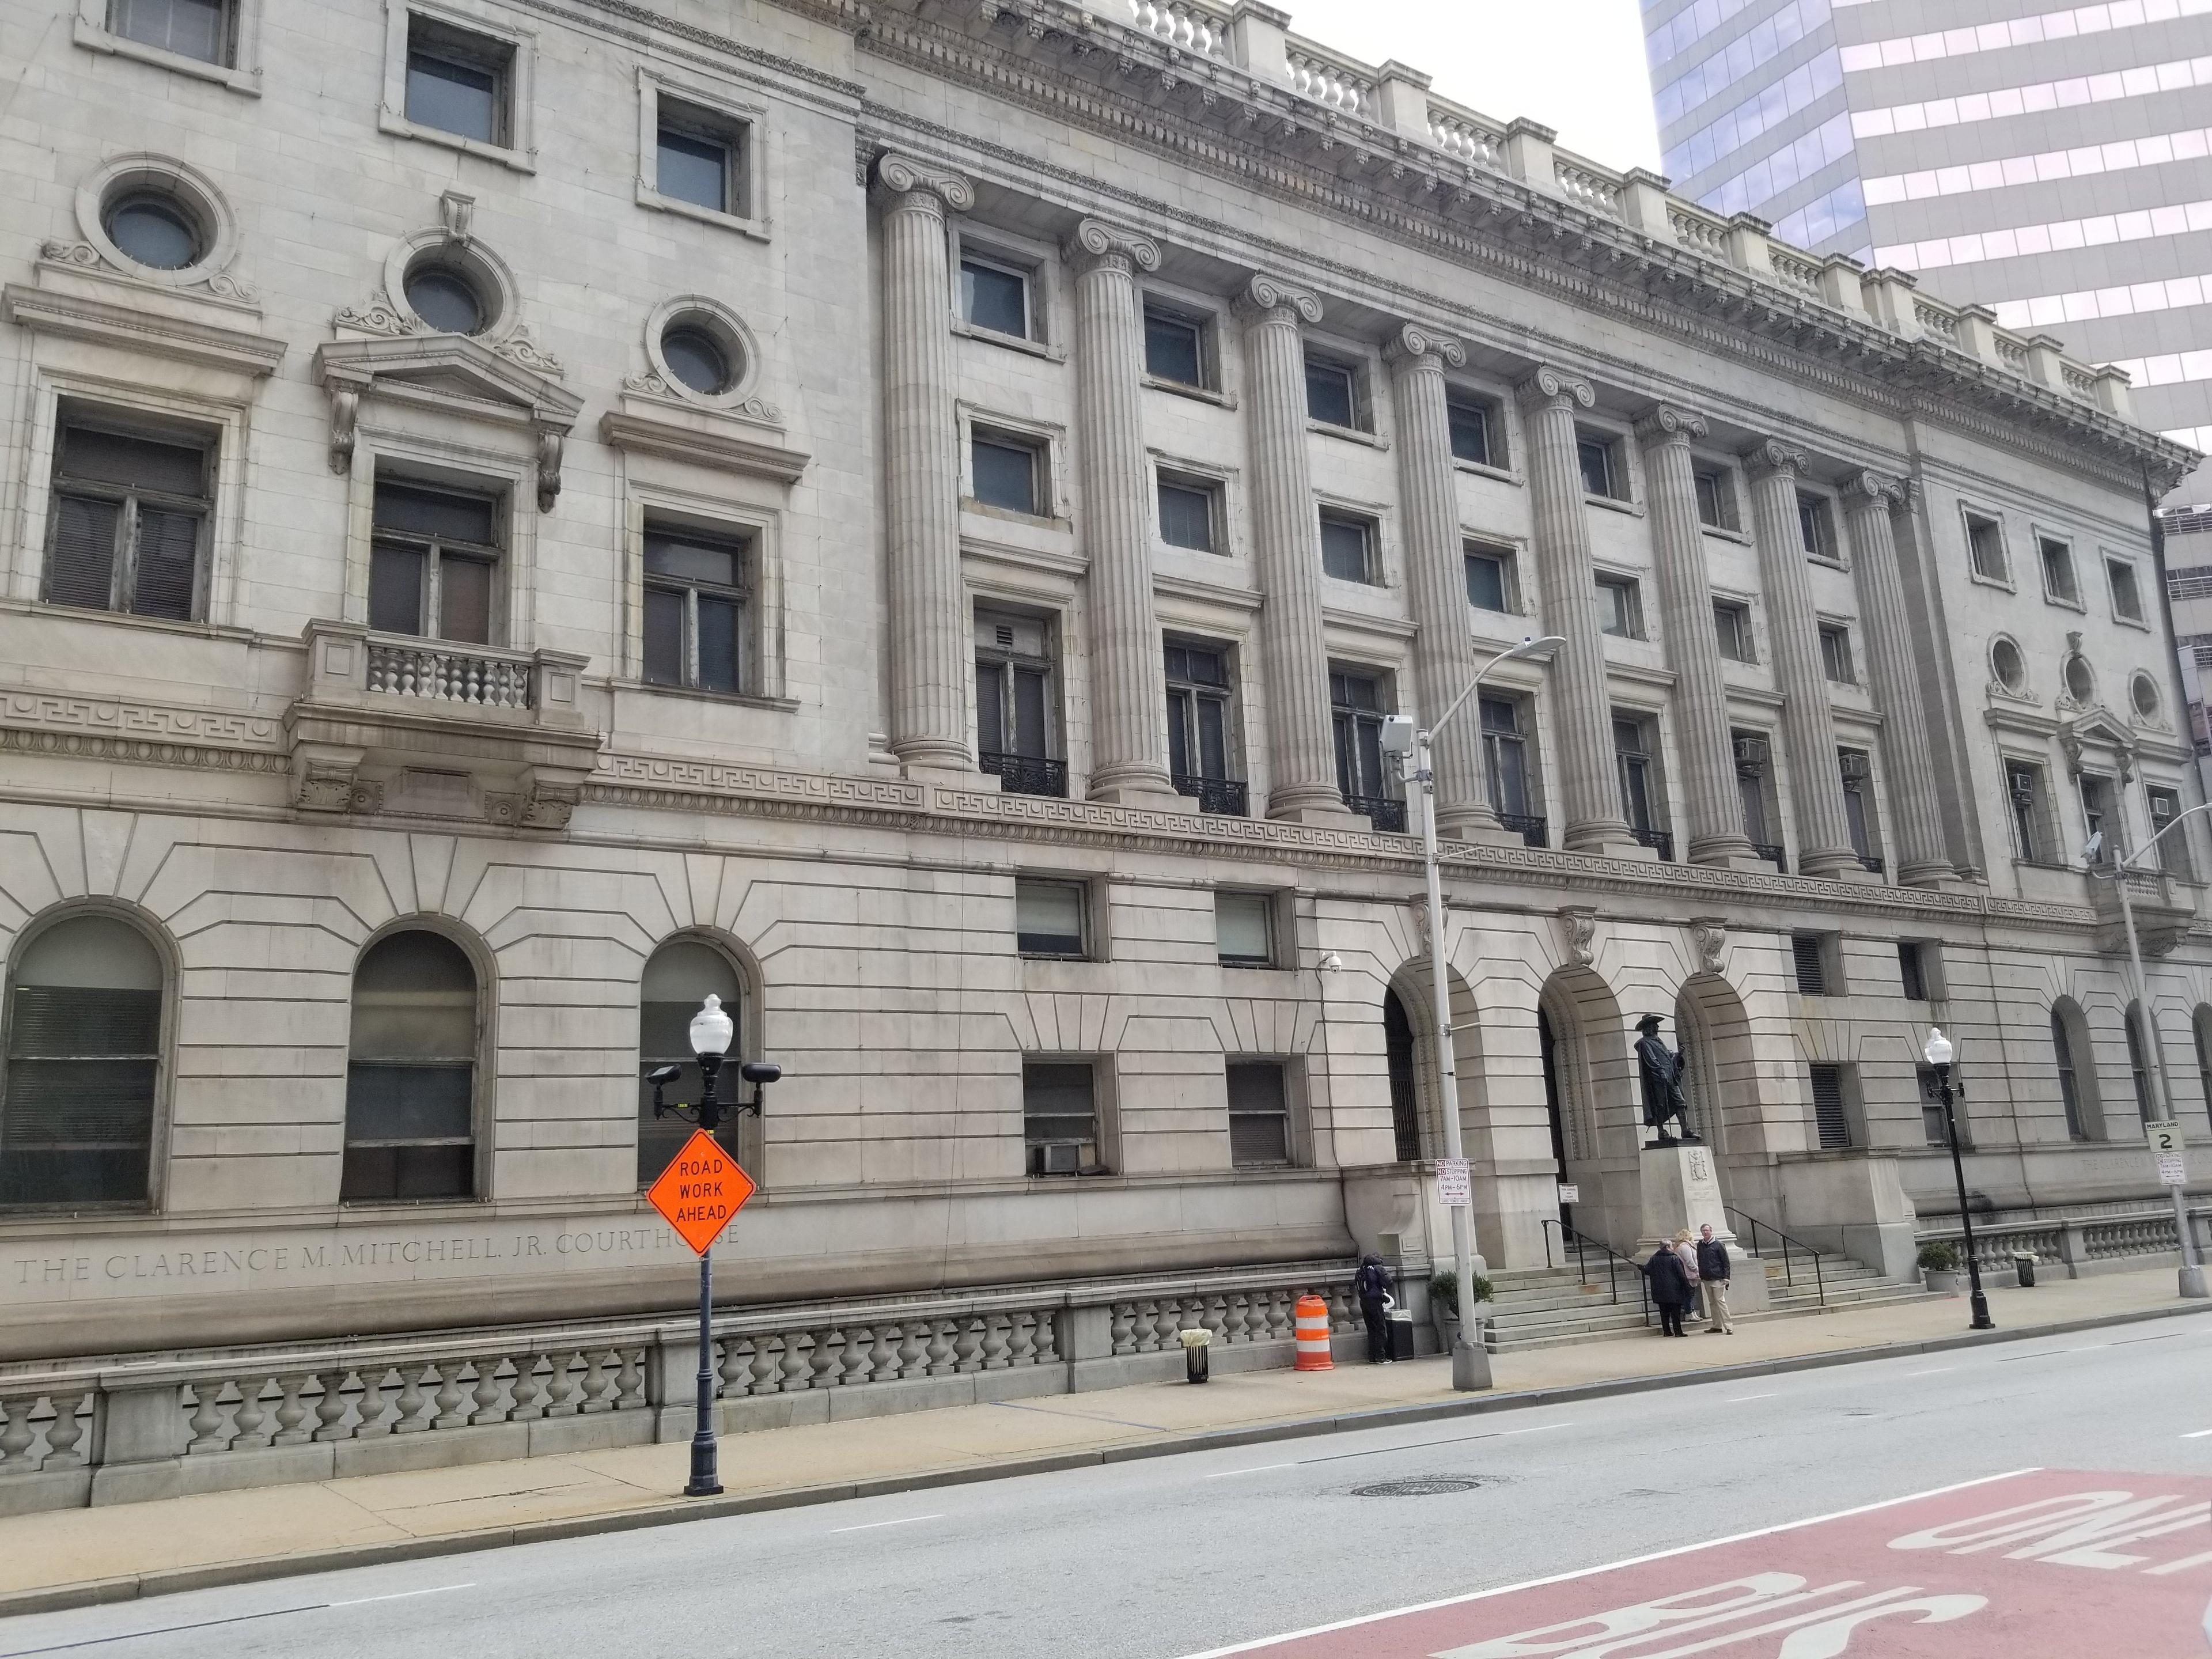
(1576, 65)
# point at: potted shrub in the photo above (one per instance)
(1443, 1304)
(1940, 1267)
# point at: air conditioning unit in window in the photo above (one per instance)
(1057, 1157)
(1751, 751)
(1856, 768)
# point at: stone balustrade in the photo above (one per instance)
(1329, 79)
(1699, 231)
(1589, 188)
(439, 672)
(1791, 271)
(1198, 28)
(1460, 133)
(2066, 1248)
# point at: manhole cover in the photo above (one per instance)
(1426, 1485)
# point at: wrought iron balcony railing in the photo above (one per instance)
(1227, 796)
(1383, 812)
(1533, 827)
(1027, 775)
(1774, 853)
(1873, 862)
(1656, 838)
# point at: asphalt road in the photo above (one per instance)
(1161, 1559)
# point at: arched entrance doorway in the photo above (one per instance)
(1398, 1052)
(1586, 1066)
(1720, 1078)
(1548, 1045)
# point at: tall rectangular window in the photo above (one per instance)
(1347, 547)
(1809, 953)
(1934, 1128)
(1619, 607)
(1910, 970)
(1190, 513)
(1857, 769)
(1243, 929)
(1635, 747)
(1816, 526)
(697, 600)
(1831, 1113)
(1715, 498)
(1754, 754)
(1356, 710)
(1474, 430)
(1985, 547)
(191, 28)
(2024, 799)
(995, 295)
(1048, 917)
(1490, 578)
(459, 82)
(433, 564)
(1059, 1116)
(2164, 806)
(701, 159)
(2058, 570)
(1505, 764)
(1836, 654)
(1176, 347)
(1732, 631)
(1332, 393)
(1199, 740)
(130, 526)
(1259, 1115)
(1599, 456)
(1017, 712)
(1006, 471)
(2127, 594)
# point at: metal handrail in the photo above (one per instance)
(1789, 1271)
(1615, 1261)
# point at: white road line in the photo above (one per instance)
(1539, 1429)
(1740, 1398)
(1609, 1566)
(2089, 1347)
(1257, 1468)
(2199, 1435)
(1938, 1371)
(401, 1596)
(903, 1521)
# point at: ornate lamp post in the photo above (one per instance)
(712, 1031)
(1938, 1053)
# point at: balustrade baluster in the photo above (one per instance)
(330, 1407)
(1236, 1326)
(767, 1366)
(372, 1403)
(1021, 1339)
(1165, 1323)
(291, 1410)
(15, 1435)
(913, 1351)
(797, 1373)
(560, 1384)
(487, 1392)
(941, 1347)
(733, 1365)
(65, 1430)
(859, 1357)
(629, 1381)
(528, 1392)
(968, 1346)
(448, 1401)
(994, 1343)
(408, 1416)
(1124, 1327)
(594, 1384)
(1048, 1337)
(885, 1364)
(206, 1418)
(254, 1427)
(828, 1357)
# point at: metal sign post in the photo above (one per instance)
(699, 1192)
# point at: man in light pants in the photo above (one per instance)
(1713, 1281)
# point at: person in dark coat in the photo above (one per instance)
(1670, 1288)
(1372, 1284)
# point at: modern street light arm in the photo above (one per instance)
(1529, 646)
(2175, 822)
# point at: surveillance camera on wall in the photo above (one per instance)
(1397, 734)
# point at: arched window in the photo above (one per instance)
(2139, 1065)
(681, 974)
(2077, 1077)
(84, 1044)
(411, 1082)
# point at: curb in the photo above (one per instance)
(172, 1581)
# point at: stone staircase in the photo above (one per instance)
(1552, 1308)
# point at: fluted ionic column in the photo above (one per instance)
(1301, 753)
(931, 637)
(1823, 833)
(1581, 706)
(1444, 659)
(1715, 809)
(1869, 500)
(1127, 702)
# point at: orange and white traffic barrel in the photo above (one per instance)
(1312, 1335)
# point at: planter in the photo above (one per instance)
(1446, 1323)
(1945, 1281)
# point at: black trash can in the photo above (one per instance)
(1399, 1325)
(2023, 1263)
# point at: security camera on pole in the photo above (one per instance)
(1470, 1361)
(698, 1193)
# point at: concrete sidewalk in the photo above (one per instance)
(70, 1558)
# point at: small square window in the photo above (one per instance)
(701, 159)
(1836, 653)
(995, 295)
(1259, 1115)
(1059, 1117)
(459, 82)
(1985, 547)
(2127, 595)
(1048, 918)
(1732, 628)
(1602, 473)
(1619, 607)
(1347, 547)
(1816, 526)
(1189, 513)
(1332, 392)
(1715, 498)
(1476, 434)
(191, 28)
(1243, 927)
(1176, 347)
(2058, 570)
(1007, 471)
(1490, 578)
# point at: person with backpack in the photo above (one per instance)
(1372, 1284)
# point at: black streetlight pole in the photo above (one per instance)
(711, 1032)
(1939, 1053)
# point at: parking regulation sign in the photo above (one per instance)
(701, 1188)
(2166, 1150)
(1451, 1183)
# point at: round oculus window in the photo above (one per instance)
(2011, 670)
(153, 230)
(2080, 685)
(2144, 693)
(445, 299)
(698, 359)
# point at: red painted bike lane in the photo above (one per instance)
(2039, 1564)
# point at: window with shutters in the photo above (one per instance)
(1060, 1117)
(434, 567)
(1832, 1114)
(1049, 917)
(83, 1059)
(1259, 1115)
(128, 528)
(680, 976)
(1244, 929)
(1815, 957)
(411, 1073)
(698, 608)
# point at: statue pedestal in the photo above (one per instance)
(1681, 1188)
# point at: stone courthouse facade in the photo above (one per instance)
(909, 517)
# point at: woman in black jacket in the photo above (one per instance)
(1670, 1288)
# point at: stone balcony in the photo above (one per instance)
(2165, 909)
(393, 723)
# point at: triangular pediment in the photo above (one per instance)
(447, 367)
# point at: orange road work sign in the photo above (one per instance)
(700, 1190)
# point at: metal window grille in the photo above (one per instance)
(1828, 1114)
(1806, 949)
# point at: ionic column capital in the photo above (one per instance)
(1872, 492)
(1097, 245)
(1555, 388)
(914, 182)
(1774, 458)
(1266, 299)
(1670, 423)
(1417, 345)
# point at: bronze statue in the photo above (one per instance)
(1661, 1070)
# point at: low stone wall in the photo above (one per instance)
(129, 1428)
(2078, 1247)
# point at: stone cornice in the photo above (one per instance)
(134, 328)
(1218, 119)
